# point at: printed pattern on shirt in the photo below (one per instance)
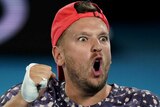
(119, 96)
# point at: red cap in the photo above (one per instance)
(66, 16)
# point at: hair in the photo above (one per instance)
(81, 7)
(85, 6)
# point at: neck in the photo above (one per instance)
(82, 98)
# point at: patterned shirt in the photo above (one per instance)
(120, 96)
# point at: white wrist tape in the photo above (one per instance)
(29, 90)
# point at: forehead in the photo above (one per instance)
(88, 23)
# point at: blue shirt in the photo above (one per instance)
(120, 96)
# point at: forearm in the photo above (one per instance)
(16, 101)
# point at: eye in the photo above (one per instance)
(83, 39)
(103, 38)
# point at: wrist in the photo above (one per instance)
(20, 99)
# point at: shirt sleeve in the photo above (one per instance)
(9, 94)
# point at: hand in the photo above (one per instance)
(39, 72)
(35, 81)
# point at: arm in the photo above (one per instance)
(16, 101)
(37, 74)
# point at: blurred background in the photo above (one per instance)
(135, 39)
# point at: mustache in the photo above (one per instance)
(96, 55)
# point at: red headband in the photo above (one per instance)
(66, 16)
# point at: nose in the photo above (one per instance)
(96, 46)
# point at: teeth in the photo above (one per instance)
(97, 61)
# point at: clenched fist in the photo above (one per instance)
(39, 72)
(35, 80)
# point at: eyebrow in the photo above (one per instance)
(80, 33)
(86, 33)
(104, 33)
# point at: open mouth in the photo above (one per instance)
(96, 65)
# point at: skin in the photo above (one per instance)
(83, 42)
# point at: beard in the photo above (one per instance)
(79, 76)
(89, 88)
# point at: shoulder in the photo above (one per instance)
(148, 98)
(136, 96)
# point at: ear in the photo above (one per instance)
(58, 55)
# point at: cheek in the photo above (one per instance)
(107, 53)
(80, 52)
(74, 56)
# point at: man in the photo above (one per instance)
(81, 49)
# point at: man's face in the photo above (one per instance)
(86, 52)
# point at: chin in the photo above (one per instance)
(95, 85)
